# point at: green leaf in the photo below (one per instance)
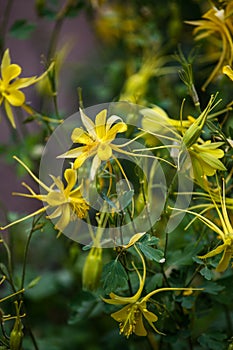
(149, 240)
(207, 273)
(212, 288)
(154, 282)
(34, 282)
(212, 341)
(3, 269)
(125, 199)
(87, 308)
(22, 29)
(150, 253)
(114, 276)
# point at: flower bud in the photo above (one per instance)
(92, 269)
(193, 133)
(16, 336)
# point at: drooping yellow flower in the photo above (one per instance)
(10, 85)
(67, 202)
(217, 27)
(97, 140)
(130, 317)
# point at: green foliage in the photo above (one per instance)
(114, 276)
(22, 29)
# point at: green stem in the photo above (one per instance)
(33, 229)
(9, 266)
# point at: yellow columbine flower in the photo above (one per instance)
(10, 85)
(217, 27)
(96, 140)
(67, 202)
(205, 159)
(225, 233)
(131, 315)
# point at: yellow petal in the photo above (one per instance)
(55, 198)
(9, 113)
(80, 136)
(104, 152)
(139, 327)
(95, 165)
(57, 181)
(228, 71)
(73, 153)
(57, 212)
(100, 122)
(71, 179)
(6, 61)
(80, 160)
(15, 97)
(88, 123)
(112, 120)
(213, 252)
(119, 127)
(225, 261)
(10, 72)
(64, 221)
(122, 314)
(23, 82)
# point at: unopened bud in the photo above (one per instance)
(193, 133)
(92, 269)
(16, 336)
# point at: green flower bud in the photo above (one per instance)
(16, 336)
(193, 133)
(92, 269)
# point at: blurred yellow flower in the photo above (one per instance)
(217, 27)
(136, 84)
(68, 201)
(97, 140)
(228, 71)
(10, 85)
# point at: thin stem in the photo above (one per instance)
(9, 266)
(33, 229)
